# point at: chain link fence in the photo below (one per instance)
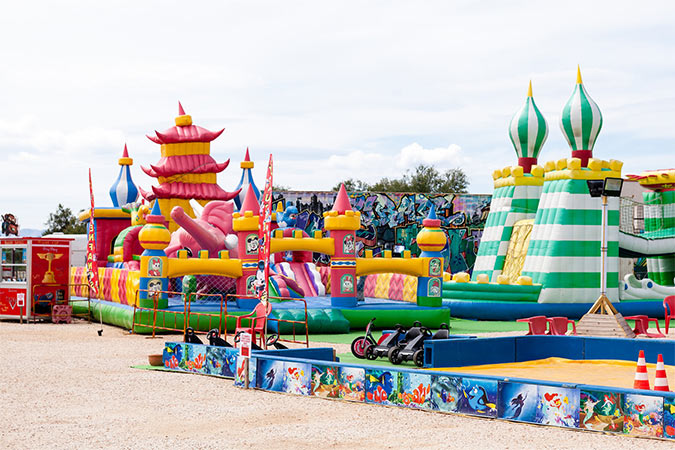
(204, 288)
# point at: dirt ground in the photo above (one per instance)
(63, 386)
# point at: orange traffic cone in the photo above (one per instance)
(641, 378)
(661, 380)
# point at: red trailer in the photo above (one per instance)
(35, 271)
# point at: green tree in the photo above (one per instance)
(63, 220)
(422, 178)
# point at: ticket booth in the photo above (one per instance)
(33, 268)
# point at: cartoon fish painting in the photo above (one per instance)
(385, 380)
(478, 399)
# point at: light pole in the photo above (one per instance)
(603, 318)
(609, 187)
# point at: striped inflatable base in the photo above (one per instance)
(508, 310)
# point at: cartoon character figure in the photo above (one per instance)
(517, 405)
(10, 225)
(347, 284)
(553, 409)
(434, 267)
(348, 245)
(259, 281)
(155, 267)
(155, 285)
(269, 377)
(250, 285)
(589, 409)
(251, 244)
(289, 217)
(478, 399)
(434, 287)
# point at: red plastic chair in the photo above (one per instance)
(642, 326)
(257, 323)
(669, 307)
(558, 326)
(536, 324)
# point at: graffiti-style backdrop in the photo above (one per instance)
(391, 221)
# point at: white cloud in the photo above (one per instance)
(359, 89)
(442, 158)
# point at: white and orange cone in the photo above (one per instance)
(661, 380)
(641, 377)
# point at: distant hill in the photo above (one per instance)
(30, 232)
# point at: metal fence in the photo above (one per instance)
(41, 308)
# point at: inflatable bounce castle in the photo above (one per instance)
(193, 242)
(540, 252)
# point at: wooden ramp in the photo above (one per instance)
(603, 320)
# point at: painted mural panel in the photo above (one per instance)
(518, 401)
(558, 406)
(195, 358)
(445, 393)
(352, 383)
(643, 415)
(669, 418)
(601, 411)
(414, 390)
(381, 386)
(221, 361)
(297, 378)
(325, 381)
(270, 375)
(239, 379)
(173, 355)
(478, 397)
(390, 220)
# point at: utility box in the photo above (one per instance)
(35, 271)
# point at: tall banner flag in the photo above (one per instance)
(92, 266)
(264, 225)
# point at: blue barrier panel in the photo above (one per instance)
(529, 348)
(320, 353)
(628, 349)
(469, 352)
(562, 404)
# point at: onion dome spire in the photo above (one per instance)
(528, 131)
(581, 122)
(431, 237)
(124, 190)
(245, 181)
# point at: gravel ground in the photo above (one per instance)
(63, 386)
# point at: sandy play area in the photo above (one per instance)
(594, 372)
(63, 386)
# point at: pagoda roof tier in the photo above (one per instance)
(189, 133)
(181, 164)
(198, 191)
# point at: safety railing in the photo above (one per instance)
(155, 297)
(192, 299)
(292, 322)
(68, 289)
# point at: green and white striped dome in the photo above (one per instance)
(581, 119)
(528, 129)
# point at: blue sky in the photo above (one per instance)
(333, 90)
